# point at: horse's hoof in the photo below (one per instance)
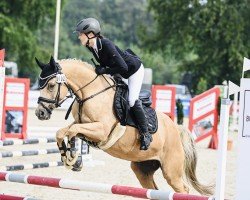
(75, 169)
(71, 160)
(78, 165)
(68, 166)
(63, 159)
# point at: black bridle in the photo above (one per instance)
(61, 79)
(57, 102)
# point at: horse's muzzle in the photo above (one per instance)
(42, 114)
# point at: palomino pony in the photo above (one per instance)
(172, 148)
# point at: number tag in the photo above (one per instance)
(61, 78)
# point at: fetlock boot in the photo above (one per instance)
(140, 117)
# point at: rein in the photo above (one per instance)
(82, 101)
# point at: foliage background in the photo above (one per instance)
(199, 43)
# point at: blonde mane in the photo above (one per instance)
(74, 61)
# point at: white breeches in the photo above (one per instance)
(134, 84)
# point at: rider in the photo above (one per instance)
(112, 61)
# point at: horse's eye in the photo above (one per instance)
(51, 86)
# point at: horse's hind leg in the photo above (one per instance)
(173, 172)
(144, 172)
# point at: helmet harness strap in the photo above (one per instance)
(95, 35)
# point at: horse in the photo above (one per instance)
(172, 149)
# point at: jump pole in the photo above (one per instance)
(27, 141)
(9, 154)
(10, 197)
(31, 166)
(98, 187)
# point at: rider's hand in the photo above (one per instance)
(117, 76)
(100, 70)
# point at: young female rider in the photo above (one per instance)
(112, 61)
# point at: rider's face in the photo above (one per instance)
(83, 38)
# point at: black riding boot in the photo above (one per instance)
(145, 136)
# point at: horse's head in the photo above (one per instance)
(53, 88)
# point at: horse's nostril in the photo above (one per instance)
(42, 113)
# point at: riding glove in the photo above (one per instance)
(100, 70)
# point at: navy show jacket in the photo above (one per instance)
(114, 59)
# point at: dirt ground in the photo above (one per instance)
(115, 171)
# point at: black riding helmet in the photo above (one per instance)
(88, 25)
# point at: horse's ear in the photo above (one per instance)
(52, 62)
(40, 64)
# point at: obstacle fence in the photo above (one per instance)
(97, 187)
(10, 197)
(28, 153)
(86, 157)
(31, 166)
(10, 154)
(27, 141)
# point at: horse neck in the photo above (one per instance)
(79, 76)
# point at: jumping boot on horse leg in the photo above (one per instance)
(73, 158)
(141, 120)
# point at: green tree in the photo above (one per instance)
(122, 23)
(20, 22)
(72, 12)
(164, 65)
(123, 19)
(202, 86)
(28, 31)
(119, 20)
(215, 31)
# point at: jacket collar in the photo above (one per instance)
(99, 47)
(99, 44)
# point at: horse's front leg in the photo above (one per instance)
(93, 131)
(60, 136)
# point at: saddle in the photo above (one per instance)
(122, 108)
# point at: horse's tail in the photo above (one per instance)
(191, 162)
